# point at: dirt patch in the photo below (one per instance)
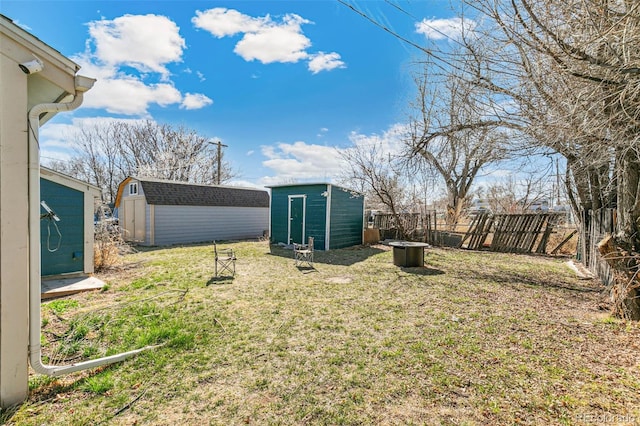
(340, 280)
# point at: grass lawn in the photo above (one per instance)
(473, 338)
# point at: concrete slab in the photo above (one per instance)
(57, 287)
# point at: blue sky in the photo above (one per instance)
(285, 84)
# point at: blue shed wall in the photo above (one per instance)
(68, 204)
(347, 218)
(346, 221)
(315, 217)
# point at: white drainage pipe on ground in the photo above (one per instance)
(35, 350)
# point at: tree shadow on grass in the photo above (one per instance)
(548, 280)
(307, 269)
(148, 249)
(345, 257)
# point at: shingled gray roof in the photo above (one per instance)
(169, 193)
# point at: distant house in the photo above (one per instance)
(333, 215)
(161, 212)
(66, 246)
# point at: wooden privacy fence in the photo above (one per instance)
(388, 224)
(409, 221)
(512, 233)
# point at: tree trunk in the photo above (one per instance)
(625, 290)
(454, 211)
(628, 198)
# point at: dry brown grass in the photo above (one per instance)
(109, 247)
(473, 338)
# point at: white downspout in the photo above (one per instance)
(35, 351)
(327, 231)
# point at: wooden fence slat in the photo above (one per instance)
(538, 228)
(563, 242)
(498, 233)
(514, 233)
(478, 237)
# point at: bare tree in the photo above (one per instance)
(571, 72)
(105, 153)
(512, 195)
(380, 176)
(456, 134)
(579, 90)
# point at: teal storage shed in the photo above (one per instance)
(332, 215)
(67, 246)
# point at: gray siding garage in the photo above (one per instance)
(158, 212)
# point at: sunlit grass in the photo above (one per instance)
(472, 338)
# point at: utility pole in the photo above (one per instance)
(220, 145)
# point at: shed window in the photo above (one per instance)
(133, 188)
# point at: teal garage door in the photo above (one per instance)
(64, 253)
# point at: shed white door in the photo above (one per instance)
(134, 219)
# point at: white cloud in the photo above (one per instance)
(440, 29)
(144, 42)
(244, 184)
(124, 94)
(195, 101)
(54, 140)
(222, 22)
(21, 25)
(265, 39)
(325, 62)
(390, 141)
(302, 161)
(274, 44)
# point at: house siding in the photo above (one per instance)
(190, 224)
(347, 218)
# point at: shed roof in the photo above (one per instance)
(293, 185)
(171, 193)
(69, 181)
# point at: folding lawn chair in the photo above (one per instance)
(225, 261)
(303, 253)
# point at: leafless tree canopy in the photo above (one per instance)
(573, 70)
(377, 174)
(569, 74)
(106, 153)
(456, 131)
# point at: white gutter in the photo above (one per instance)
(327, 231)
(82, 84)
